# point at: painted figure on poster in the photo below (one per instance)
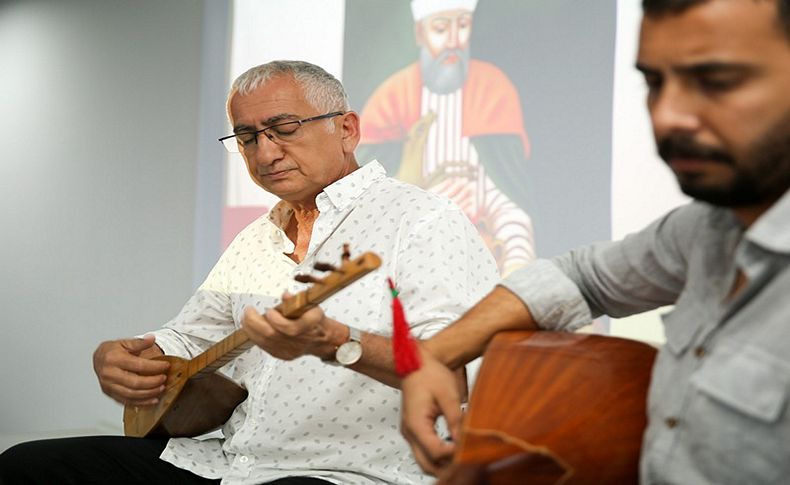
(453, 125)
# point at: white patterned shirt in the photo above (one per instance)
(304, 417)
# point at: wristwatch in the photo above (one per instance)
(350, 352)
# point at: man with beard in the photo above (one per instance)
(453, 125)
(717, 73)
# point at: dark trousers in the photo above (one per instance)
(101, 460)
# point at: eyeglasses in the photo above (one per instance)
(281, 133)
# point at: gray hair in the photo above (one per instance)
(321, 90)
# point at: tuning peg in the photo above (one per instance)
(324, 267)
(306, 278)
(346, 253)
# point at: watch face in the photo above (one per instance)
(349, 353)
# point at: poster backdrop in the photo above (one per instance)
(528, 113)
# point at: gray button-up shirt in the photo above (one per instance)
(718, 402)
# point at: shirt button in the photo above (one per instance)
(243, 459)
(700, 352)
(671, 422)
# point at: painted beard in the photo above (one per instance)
(762, 175)
(443, 78)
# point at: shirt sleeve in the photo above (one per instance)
(551, 296)
(643, 271)
(443, 269)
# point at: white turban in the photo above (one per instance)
(423, 8)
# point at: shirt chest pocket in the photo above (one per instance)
(738, 419)
(747, 380)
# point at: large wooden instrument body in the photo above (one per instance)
(555, 408)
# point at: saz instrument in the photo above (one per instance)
(197, 399)
(555, 408)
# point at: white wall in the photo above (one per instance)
(99, 124)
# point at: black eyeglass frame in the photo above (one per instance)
(271, 137)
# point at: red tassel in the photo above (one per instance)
(404, 348)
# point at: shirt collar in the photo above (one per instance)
(772, 229)
(338, 194)
(341, 193)
(281, 214)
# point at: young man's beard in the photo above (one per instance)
(443, 78)
(762, 175)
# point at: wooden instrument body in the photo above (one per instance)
(197, 399)
(552, 408)
(188, 407)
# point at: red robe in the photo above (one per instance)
(491, 105)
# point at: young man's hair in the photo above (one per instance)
(653, 8)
